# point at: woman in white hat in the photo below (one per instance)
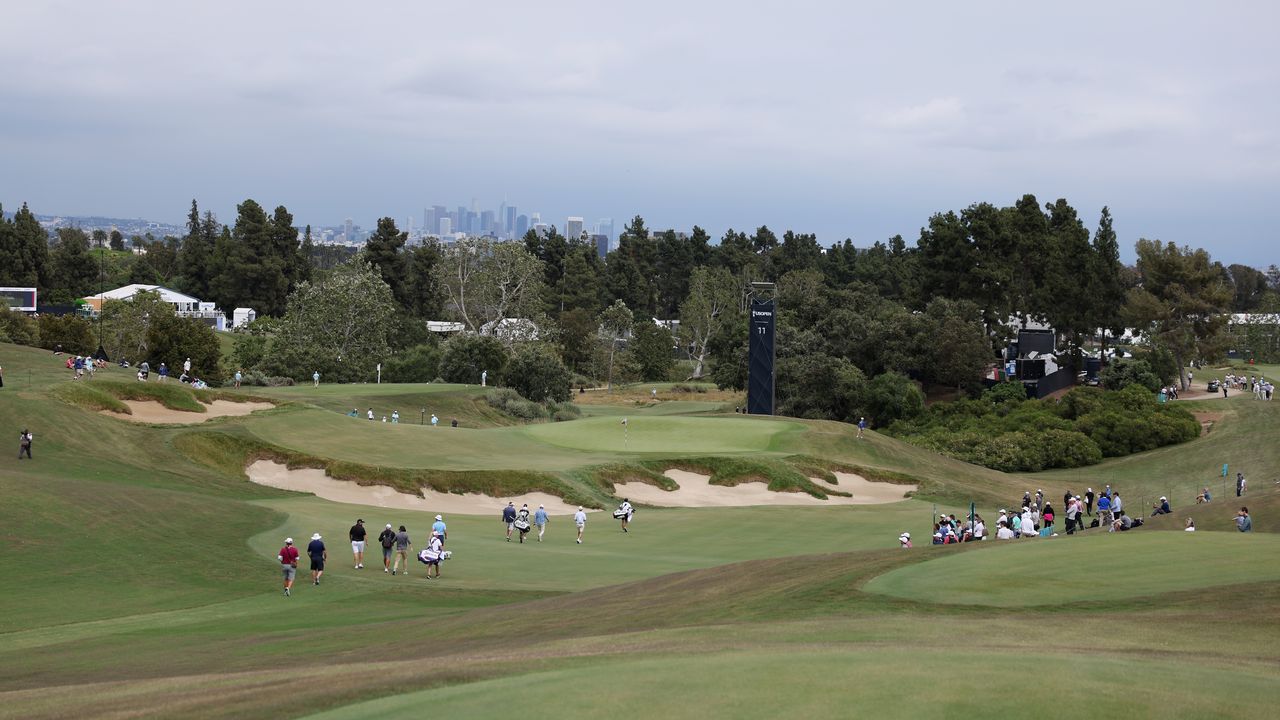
(904, 540)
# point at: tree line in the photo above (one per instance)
(935, 312)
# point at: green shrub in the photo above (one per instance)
(890, 397)
(17, 328)
(1123, 373)
(418, 364)
(466, 357)
(560, 412)
(509, 401)
(537, 373)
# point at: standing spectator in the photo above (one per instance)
(509, 517)
(288, 558)
(402, 551)
(434, 420)
(1039, 498)
(370, 413)
(186, 367)
(1104, 510)
(979, 528)
(1088, 502)
(1240, 484)
(24, 444)
(540, 519)
(1117, 506)
(239, 377)
(315, 379)
(1243, 522)
(1, 376)
(454, 422)
(439, 527)
(862, 426)
(580, 519)
(388, 541)
(1046, 518)
(357, 534)
(318, 554)
(395, 417)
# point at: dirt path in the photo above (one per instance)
(697, 491)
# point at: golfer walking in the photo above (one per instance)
(318, 554)
(388, 541)
(24, 444)
(288, 558)
(509, 517)
(402, 551)
(433, 555)
(357, 534)
(540, 519)
(624, 513)
(439, 527)
(315, 379)
(580, 519)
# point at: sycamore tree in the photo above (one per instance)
(712, 301)
(1181, 301)
(487, 282)
(615, 324)
(338, 326)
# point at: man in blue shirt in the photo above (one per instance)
(509, 517)
(318, 554)
(439, 527)
(1104, 510)
(540, 519)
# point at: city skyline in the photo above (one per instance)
(845, 120)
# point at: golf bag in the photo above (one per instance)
(619, 514)
(521, 525)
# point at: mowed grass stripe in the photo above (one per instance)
(1109, 566)
(872, 682)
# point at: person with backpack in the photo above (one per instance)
(388, 540)
(24, 444)
(624, 513)
(522, 522)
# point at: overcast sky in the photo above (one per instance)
(844, 119)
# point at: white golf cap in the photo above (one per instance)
(439, 518)
(288, 541)
(388, 526)
(315, 536)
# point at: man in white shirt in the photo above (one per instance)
(1004, 533)
(624, 513)
(580, 519)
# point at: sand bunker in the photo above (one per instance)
(697, 491)
(315, 481)
(150, 411)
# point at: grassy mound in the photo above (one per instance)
(1041, 572)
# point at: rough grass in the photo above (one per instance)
(100, 394)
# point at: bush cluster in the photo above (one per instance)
(509, 401)
(1003, 431)
(260, 379)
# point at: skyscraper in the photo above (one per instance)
(446, 226)
(573, 228)
(486, 222)
(601, 243)
(430, 223)
(522, 225)
(509, 223)
(605, 227)
(347, 235)
(460, 220)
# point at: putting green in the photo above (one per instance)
(684, 435)
(859, 682)
(1106, 567)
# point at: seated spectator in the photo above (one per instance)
(1004, 532)
(1203, 497)
(904, 540)
(1191, 525)
(1162, 508)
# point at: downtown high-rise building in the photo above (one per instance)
(601, 243)
(604, 226)
(509, 222)
(446, 226)
(522, 225)
(573, 228)
(347, 234)
(487, 223)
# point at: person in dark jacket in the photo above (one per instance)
(1162, 508)
(509, 517)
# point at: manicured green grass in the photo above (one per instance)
(881, 682)
(142, 580)
(1044, 571)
